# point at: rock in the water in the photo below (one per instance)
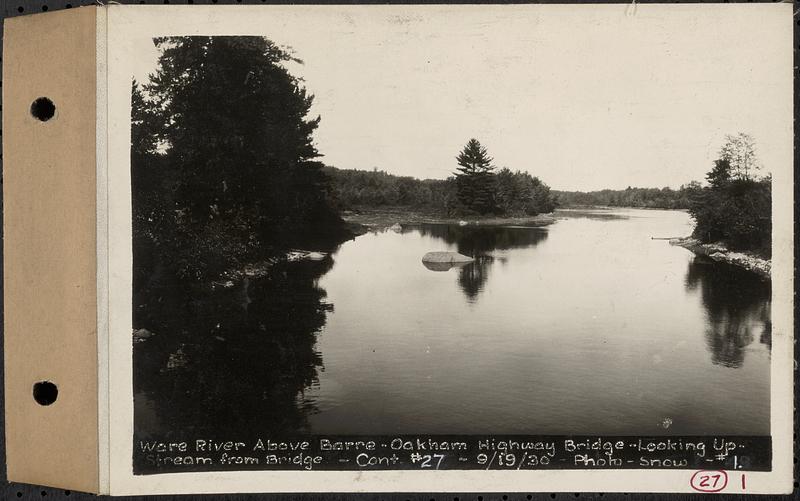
(140, 335)
(396, 228)
(294, 256)
(446, 257)
(299, 255)
(442, 266)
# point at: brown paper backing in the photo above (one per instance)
(50, 249)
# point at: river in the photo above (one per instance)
(587, 326)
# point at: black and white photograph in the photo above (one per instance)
(438, 225)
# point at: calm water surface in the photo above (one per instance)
(587, 326)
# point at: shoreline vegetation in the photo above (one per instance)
(515, 194)
(733, 212)
(219, 188)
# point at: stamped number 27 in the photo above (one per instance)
(709, 481)
(428, 460)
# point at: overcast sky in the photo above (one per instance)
(585, 97)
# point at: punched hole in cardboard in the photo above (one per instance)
(43, 109)
(45, 392)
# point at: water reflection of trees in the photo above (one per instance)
(737, 305)
(479, 242)
(473, 276)
(230, 359)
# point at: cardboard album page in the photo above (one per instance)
(50, 249)
(442, 248)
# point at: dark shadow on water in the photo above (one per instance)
(479, 242)
(229, 359)
(473, 240)
(737, 305)
(472, 277)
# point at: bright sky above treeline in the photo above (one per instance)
(584, 97)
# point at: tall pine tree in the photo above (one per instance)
(475, 178)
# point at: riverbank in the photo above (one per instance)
(719, 252)
(311, 254)
(613, 207)
(376, 219)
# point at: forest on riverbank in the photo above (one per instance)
(479, 188)
(735, 207)
(234, 181)
(219, 182)
(476, 188)
(640, 198)
(224, 169)
(375, 189)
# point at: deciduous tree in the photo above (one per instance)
(740, 152)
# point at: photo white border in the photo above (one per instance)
(127, 25)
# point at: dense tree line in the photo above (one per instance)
(223, 167)
(520, 194)
(351, 188)
(482, 189)
(649, 198)
(358, 188)
(736, 206)
(475, 189)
